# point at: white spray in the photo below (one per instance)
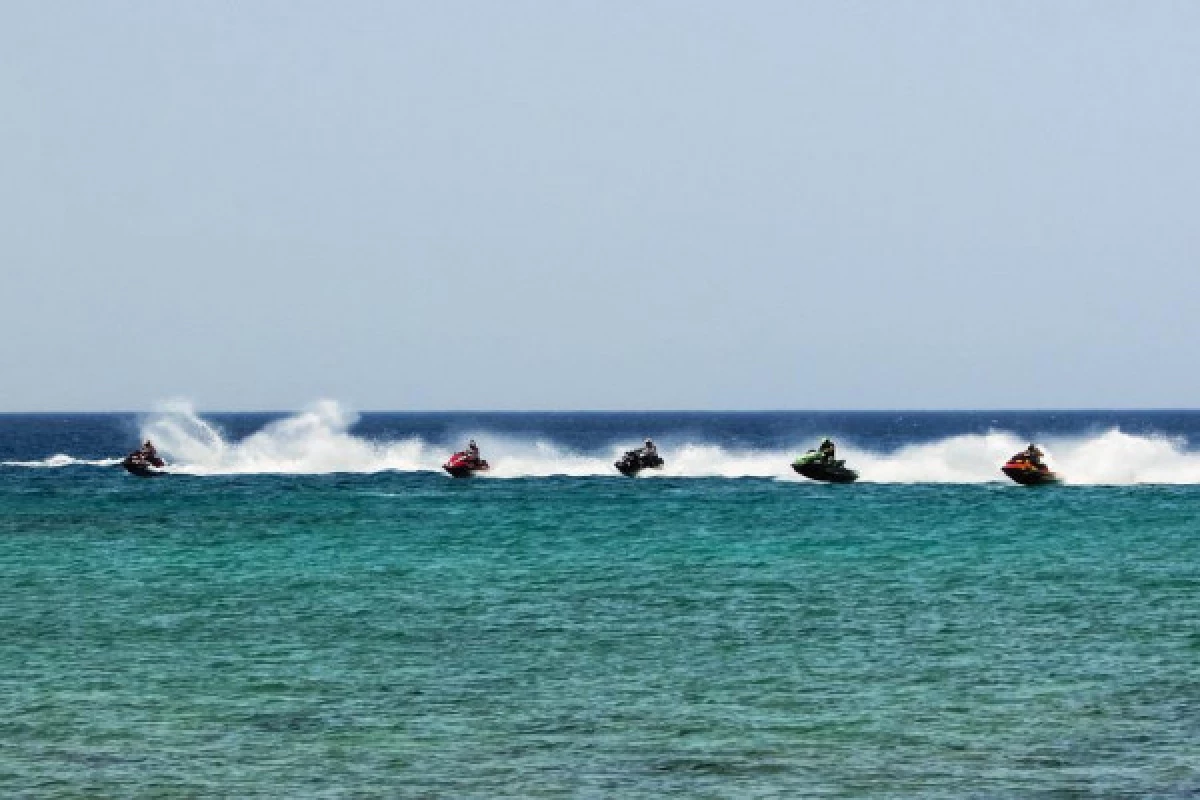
(313, 441)
(318, 440)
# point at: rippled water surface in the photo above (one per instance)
(308, 608)
(409, 634)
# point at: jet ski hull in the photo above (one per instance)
(825, 472)
(817, 467)
(634, 462)
(1028, 475)
(462, 465)
(463, 472)
(143, 468)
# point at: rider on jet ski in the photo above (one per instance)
(472, 450)
(145, 461)
(827, 451)
(146, 453)
(1031, 455)
(649, 449)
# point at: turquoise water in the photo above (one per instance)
(406, 634)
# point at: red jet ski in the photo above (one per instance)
(1028, 472)
(464, 464)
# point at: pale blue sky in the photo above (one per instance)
(599, 205)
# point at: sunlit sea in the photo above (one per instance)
(307, 607)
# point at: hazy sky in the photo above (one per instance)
(599, 205)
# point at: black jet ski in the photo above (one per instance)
(143, 465)
(634, 461)
(815, 466)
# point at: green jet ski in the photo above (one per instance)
(815, 466)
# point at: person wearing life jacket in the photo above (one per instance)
(148, 451)
(1034, 456)
(649, 450)
(473, 450)
(827, 451)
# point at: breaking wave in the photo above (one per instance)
(320, 440)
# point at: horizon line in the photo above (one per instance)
(859, 410)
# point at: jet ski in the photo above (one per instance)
(464, 464)
(143, 465)
(815, 466)
(1026, 472)
(634, 461)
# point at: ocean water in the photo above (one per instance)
(307, 607)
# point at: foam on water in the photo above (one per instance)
(1115, 458)
(314, 441)
(970, 640)
(956, 459)
(63, 460)
(319, 440)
